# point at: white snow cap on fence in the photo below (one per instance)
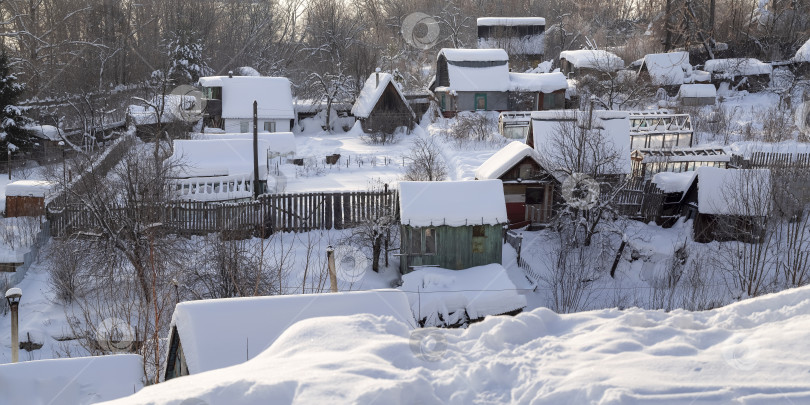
(738, 67)
(503, 160)
(668, 69)
(273, 95)
(452, 203)
(510, 21)
(78, 380)
(540, 82)
(223, 332)
(282, 143)
(29, 188)
(742, 192)
(701, 90)
(593, 59)
(803, 54)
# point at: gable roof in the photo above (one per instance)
(667, 69)
(612, 126)
(803, 54)
(223, 332)
(371, 92)
(273, 94)
(739, 192)
(452, 203)
(593, 59)
(505, 159)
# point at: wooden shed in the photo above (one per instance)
(742, 73)
(583, 62)
(530, 191)
(728, 204)
(26, 198)
(381, 107)
(697, 95)
(451, 224)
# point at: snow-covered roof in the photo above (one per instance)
(441, 296)
(612, 126)
(281, 143)
(223, 332)
(273, 95)
(505, 159)
(452, 203)
(700, 90)
(701, 76)
(29, 188)
(474, 55)
(510, 21)
(76, 381)
(540, 82)
(803, 54)
(372, 91)
(743, 192)
(220, 157)
(668, 69)
(671, 182)
(737, 67)
(477, 69)
(593, 59)
(48, 132)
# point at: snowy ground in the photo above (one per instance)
(752, 352)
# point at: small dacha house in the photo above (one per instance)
(451, 224)
(742, 73)
(229, 103)
(381, 107)
(529, 189)
(523, 38)
(728, 204)
(595, 62)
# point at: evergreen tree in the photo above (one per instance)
(186, 60)
(12, 122)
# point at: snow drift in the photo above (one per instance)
(752, 352)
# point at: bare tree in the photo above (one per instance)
(425, 161)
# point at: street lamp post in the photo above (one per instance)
(13, 296)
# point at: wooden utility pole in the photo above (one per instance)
(256, 183)
(330, 260)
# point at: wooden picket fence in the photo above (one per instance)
(270, 213)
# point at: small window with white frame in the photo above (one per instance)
(269, 126)
(244, 126)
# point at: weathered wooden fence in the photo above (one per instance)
(515, 240)
(640, 199)
(771, 160)
(270, 213)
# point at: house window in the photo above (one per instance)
(430, 241)
(423, 241)
(480, 101)
(444, 102)
(269, 126)
(244, 126)
(534, 196)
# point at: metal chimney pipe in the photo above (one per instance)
(230, 74)
(377, 72)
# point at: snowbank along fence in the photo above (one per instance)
(29, 258)
(270, 213)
